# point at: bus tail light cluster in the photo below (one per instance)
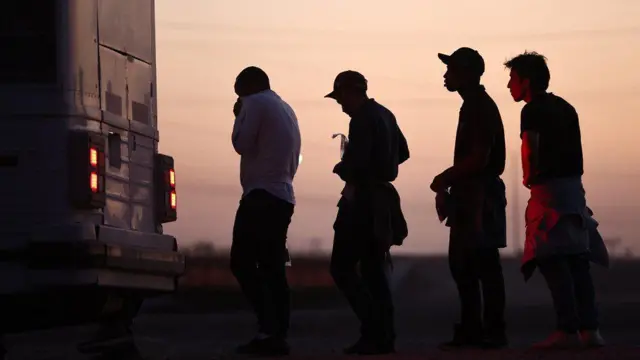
(165, 184)
(87, 169)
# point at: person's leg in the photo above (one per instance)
(373, 267)
(346, 254)
(557, 274)
(462, 265)
(493, 293)
(585, 296)
(3, 350)
(243, 257)
(272, 258)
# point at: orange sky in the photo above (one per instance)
(593, 49)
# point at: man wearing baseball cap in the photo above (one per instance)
(475, 206)
(370, 218)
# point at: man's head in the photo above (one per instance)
(464, 69)
(529, 75)
(251, 80)
(349, 90)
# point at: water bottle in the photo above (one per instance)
(287, 256)
(344, 141)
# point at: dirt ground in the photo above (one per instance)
(208, 323)
(321, 334)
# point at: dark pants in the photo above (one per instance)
(569, 280)
(366, 290)
(477, 273)
(258, 256)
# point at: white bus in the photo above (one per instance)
(84, 191)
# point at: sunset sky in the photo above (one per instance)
(593, 49)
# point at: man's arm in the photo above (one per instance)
(246, 128)
(482, 138)
(530, 123)
(529, 153)
(356, 161)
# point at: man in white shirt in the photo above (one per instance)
(267, 138)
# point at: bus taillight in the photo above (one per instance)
(172, 177)
(94, 183)
(165, 184)
(174, 200)
(93, 157)
(87, 169)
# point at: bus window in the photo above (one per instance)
(28, 42)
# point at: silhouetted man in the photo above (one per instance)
(369, 219)
(561, 236)
(471, 196)
(267, 137)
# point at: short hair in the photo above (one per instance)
(533, 66)
(253, 75)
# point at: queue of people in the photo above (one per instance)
(562, 239)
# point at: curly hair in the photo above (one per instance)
(533, 66)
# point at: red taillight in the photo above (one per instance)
(172, 178)
(93, 182)
(174, 200)
(87, 169)
(93, 157)
(166, 197)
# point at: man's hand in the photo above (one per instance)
(439, 183)
(339, 170)
(336, 168)
(237, 107)
(442, 205)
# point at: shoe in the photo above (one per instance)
(497, 342)
(495, 339)
(270, 346)
(462, 338)
(366, 347)
(495, 336)
(108, 339)
(559, 340)
(249, 347)
(591, 338)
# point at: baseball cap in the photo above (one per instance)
(348, 79)
(466, 58)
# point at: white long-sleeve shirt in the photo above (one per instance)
(267, 137)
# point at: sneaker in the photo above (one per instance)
(249, 347)
(495, 337)
(463, 338)
(495, 342)
(367, 347)
(591, 338)
(270, 346)
(559, 340)
(108, 339)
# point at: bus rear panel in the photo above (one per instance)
(84, 190)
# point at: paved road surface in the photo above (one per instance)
(320, 334)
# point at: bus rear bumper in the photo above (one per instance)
(80, 255)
